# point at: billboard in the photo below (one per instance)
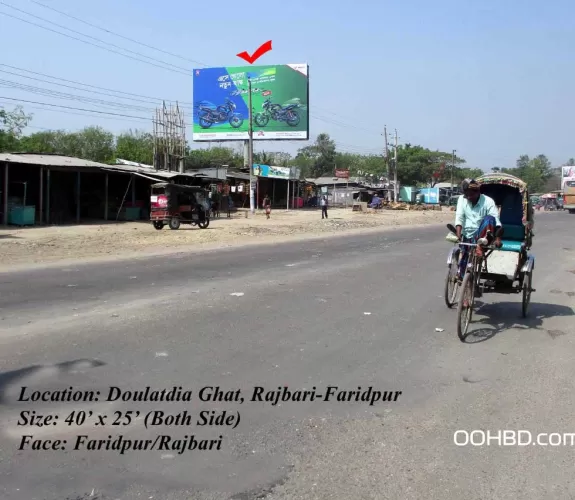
(272, 172)
(279, 103)
(341, 173)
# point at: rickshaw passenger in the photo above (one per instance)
(476, 214)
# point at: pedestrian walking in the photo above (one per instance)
(267, 206)
(323, 204)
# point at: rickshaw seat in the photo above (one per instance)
(511, 246)
(511, 220)
(513, 232)
(513, 237)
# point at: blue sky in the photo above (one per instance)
(491, 79)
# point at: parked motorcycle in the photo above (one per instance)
(209, 116)
(277, 112)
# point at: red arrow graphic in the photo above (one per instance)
(261, 50)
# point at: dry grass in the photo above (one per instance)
(49, 244)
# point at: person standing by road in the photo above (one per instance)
(323, 204)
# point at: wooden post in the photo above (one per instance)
(6, 167)
(78, 199)
(48, 196)
(41, 208)
(106, 199)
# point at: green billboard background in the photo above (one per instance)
(221, 102)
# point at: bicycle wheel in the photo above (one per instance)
(451, 285)
(465, 306)
(526, 299)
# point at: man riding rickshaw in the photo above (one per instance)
(476, 221)
(494, 217)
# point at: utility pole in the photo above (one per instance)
(452, 169)
(395, 191)
(251, 149)
(386, 152)
(386, 155)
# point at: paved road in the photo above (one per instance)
(301, 322)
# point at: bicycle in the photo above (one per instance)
(470, 285)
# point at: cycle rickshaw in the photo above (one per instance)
(508, 269)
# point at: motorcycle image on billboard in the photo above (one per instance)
(279, 103)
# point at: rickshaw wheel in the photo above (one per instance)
(174, 223)
(527, 282)
(204, 225)
(158, 224)
(451, 285)
(465, 306)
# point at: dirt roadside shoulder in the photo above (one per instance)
(41, 247)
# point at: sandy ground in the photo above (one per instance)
(44, 245)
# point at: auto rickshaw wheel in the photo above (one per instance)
(204, 224)
(174, 223)
(158, 224)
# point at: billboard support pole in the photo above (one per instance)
(452, 169)
(386, 153)
(395, 190)
(251, 148)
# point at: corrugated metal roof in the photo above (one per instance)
(238, 175)
(330, 181)
(143, 170)
(48, 160)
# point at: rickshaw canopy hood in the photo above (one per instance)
(503, 179)
(500, 179)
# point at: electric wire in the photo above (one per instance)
(117, 34)
(187, 73)
(140, 43)
(58, 95)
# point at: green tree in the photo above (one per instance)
(204, 158)
(264, 158)
(15, 121)
(50, 141)
(418, 166)
(536, 172)
(318, 159)
(91, 143)
(12, 124)
(96, 144)
(281, 159)
(136, 146)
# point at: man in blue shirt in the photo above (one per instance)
(476, 215)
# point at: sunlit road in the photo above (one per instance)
(345, 312)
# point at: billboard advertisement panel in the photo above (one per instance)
(279, 103)
(272, 172)
(341, 173)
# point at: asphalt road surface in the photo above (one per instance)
(346, 312)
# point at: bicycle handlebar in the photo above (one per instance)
(488, 247)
